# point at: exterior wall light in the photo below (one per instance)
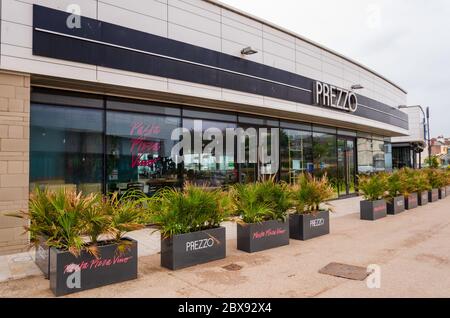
(357, 86)
(248, 51)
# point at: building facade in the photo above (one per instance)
(411, 151)
(92, 91)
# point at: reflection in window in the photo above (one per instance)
(325, 160)
(378, 156)
(365, 156)
(139, 152)
(212, 169)
(66, 148)
(296, 154)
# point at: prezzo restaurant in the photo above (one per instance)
(91, 93)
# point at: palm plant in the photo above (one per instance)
(436, 178)
(373, 187)
(394, 185)
(248, 204)
(262, 201)
(58, 217)
(421, 181)
(70, 221)
(310, 193)
(195, 208)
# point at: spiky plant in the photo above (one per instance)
(73, 222)
(249, 206)
(373, 187)
(310, 194)
(394, 185)
(436, 178)
(195, 208)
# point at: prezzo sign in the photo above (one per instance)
(332, 96)
(316, 223)
(199, 245)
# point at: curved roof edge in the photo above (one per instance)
(284, 30)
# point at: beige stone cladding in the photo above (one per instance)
(14, 158)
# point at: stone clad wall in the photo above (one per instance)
(14, 158)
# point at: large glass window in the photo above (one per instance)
(296, 154)
(66, 148)
(365, 156)
(139, 152)
(325, 157)
(378, 155)
(215, 168)
(388, 156)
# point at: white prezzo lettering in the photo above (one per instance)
(335, 97)
(199, 245)
(316, 223)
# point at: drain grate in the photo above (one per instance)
(345, 271)
(232, 267)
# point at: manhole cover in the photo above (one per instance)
(232, 267)
(345, 271)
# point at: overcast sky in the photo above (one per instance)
(408, 41)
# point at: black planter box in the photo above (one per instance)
(194, 248)
(257, 237)
(414, 199)
(373, 210)
(447, 191)
(42, 257)
(433, 195)
(396, 206)
(423, 198)
(307, 226)
(442, 193)
(70, 274)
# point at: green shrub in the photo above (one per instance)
(74, 222)
(433, 162)
(394, 185)
(436, 178)
(373, 187)
(310, 193)
(262, 201)
(195, 208)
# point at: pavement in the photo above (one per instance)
(411, 251)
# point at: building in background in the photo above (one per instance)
(410, 151)
(440, 147)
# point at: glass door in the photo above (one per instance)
(346, 166)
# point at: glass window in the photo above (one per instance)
(296, 154)
(325, 157)
(139, 152)
(365, 156)
(66, 148)
(214, 169)
(388, 156)
(378, 156)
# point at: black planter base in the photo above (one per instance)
(181, 251)
(433, 195)
(70, 274)
(442, 193)
(308, 226)
(423, 198)
(373, 210)
(396, 206)
(42, 257)
(258, 237)
(412, 201)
